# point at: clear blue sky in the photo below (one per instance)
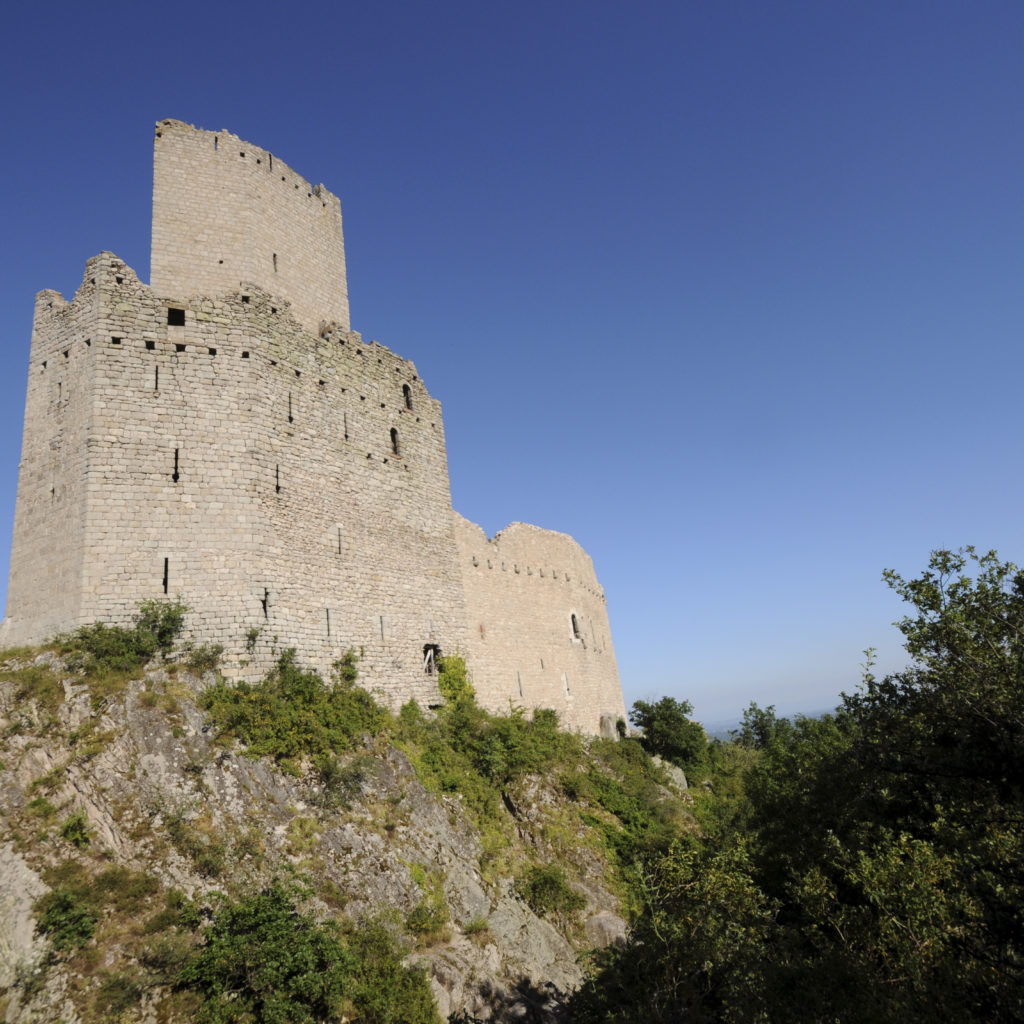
(729, 291)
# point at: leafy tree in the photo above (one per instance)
(669, 732)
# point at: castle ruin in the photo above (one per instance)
(223, 435)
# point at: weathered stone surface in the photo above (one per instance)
(225, 437)
(157, 766)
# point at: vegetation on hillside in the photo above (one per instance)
(864, 866)
(871, 864)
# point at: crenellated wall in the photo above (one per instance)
(226, 212)
(223, 437)
(538, 631)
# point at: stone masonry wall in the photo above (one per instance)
(227, 212)
(251, 469)
(538, 632)
(225, 438)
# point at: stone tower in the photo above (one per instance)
(223, 436)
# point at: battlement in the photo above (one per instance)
(227, 213)
(223, 436)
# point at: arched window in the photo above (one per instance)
(407, 393)
(394, 440)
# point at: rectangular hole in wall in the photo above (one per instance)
(245, 299)
(66, 353)
(156, 378)
(265, 601)
(212, 351)
(115, 341)
(519, 682)
(277, 479)
(167, 573)
(245, 355)
(328, 611)
(150, 345)
(175, 317)
(179, 347)
(119, 280)
(88, 342)
(174, 476)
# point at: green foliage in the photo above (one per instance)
(467, 750)
(264, 959)
(102, 651)
(546, 891)
(870, 863)
(75, 829)
(453, 679)
(41, 808)
(35, 682)
(696, 952)
(669, 732)
(204, 658)
(293, 714)
(67, 916)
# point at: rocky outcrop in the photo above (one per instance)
(160, 796)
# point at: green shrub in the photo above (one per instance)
(67, 917)
(264, 959)
(100, 650)
(294, 714)
(75, 829)
(204, 658)
(41, 808)
(546, 891)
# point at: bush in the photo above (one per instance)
(99, 649)
(294, 714)
(263, 959)
(75, 829)
(547, 891)
(66, 916)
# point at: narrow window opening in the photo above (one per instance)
(565, 683)
(290, 418)
(339, 540)
(345, 415)
(167, 573)
(175, 317)
(215, 143)
(66, 353)
(275, 262)
(156, 378)
(328, 610)
(60, 389)
(245, 355)
(242, 155)
(270, 157)
(150, 345)
(245, 298)
(265, 601)
(88, 342)
(212, 351)
(273, 309)
(119, 280)
(175, 476)
(575, 628)
(431, 656)
(298, 373)
(383, 628)
(179, 347)
(407, 393)
(394, 440)
(519, 683)
(44, 364)
(277, 479)
(542, 663)
(115, 341)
